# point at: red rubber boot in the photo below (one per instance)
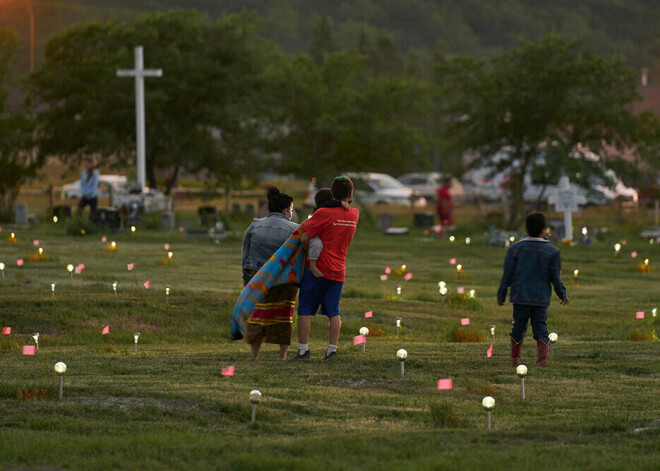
(515, 352)
(543, 349)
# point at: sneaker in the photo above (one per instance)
(329, 356)
(304, 356)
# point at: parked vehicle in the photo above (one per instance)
(379, 188)
(116, 182)
(426, 184)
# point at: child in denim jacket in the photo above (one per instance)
(530, 267)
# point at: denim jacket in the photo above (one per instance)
(530, 266)
(263, 238)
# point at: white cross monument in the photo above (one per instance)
(139, 73)
(566, 200)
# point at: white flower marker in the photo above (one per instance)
(402, 354)
(255, 397)
(521, 371)
(60, 369)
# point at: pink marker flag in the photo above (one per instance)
(80, 268)
(408, 276)
(452, 261)
(633, 255)
(229, 371)
(369, 314)
(358, 339)
(36, 242)
(445, 384)
(639, 315)
(104, 239)
(19, 262)
(166, 246)
(29, 350)
(489, 352)
(181, 229)
(130, 266)
(437, 229)
(426, 232)
(460, 290)
(383, 277)
(106, 330)
(388, 270)
(465, 321)
(146, 284)
(6, 331)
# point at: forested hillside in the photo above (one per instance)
(478, 27)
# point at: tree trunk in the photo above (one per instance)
(171, 180)
(517, 203)
(7, 202)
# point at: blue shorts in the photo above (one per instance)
(315, 292)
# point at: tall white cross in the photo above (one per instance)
(139, 73)
(566, 200)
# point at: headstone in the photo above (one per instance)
(21, 214)
(167, 221)
(106, 217)
(385, 220)
(566, 200)
(207, 215)
(62, 212)
(423, 220)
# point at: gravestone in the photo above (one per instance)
(566, 200)
(385, 220)
(423, 220)
(167, 221)
(106, 217)
(21, 214)
(207, 215)
(62, 212)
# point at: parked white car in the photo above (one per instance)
(116, 182)
(426, 184)
(379, 188)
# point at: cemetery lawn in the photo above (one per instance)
(169, 407)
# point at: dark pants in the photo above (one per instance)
(84, 201)
(538, 315)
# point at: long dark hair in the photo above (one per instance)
(278, 202)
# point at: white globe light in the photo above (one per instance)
(553, 337)
(488, 403)
(364, 331)
(69, 268)
(521, 370)
(402, 354)
(60, 368)
(255, 396)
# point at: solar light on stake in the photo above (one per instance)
(459, 267)
(452, 238)
(136, 336)
(132, 228)
(167, 294)
(402, 354)
(398, 325)
(2, 270)
(170, 254)
(654, 312)
(255, 397)
(35, 337)
(473, 293)
(617, 249)
(553, 338)
(467, 241)
(576, 272)
(442, 289)
(521, 371)
(41, 251)
(70, 269)
(55, 219)
(492, 333)
(488, 404)
(364, 331)
(52, 289)
(60, 369)
(114, 287)
(398, 290)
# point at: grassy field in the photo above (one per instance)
(169, 407)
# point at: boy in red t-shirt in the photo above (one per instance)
(335, 227)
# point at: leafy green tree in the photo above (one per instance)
(18, 162)
(198, 115)
(548, 97)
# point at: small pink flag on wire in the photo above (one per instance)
(104, 239)
(437, 229)
(79, 268)
(6, 331)
(452, 261)
(445, 384)
(639, 315)
(29, 350)
(633, 255)
(489, 352)
(106, 330)
(358, 339)
(369, 314)
(465, 321)
(460, 290)
(229, 371)
(166, 246)
(181, 229)
(383, 277)
(408, 276)
(19, 262)
(146, 284)
(130, 266)
(426, 232)
(36, 242)
(388, 270)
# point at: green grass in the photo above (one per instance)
(169, 407)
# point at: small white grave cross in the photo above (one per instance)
(139, 73)
(566, 200)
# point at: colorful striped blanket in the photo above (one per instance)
(286, 266)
